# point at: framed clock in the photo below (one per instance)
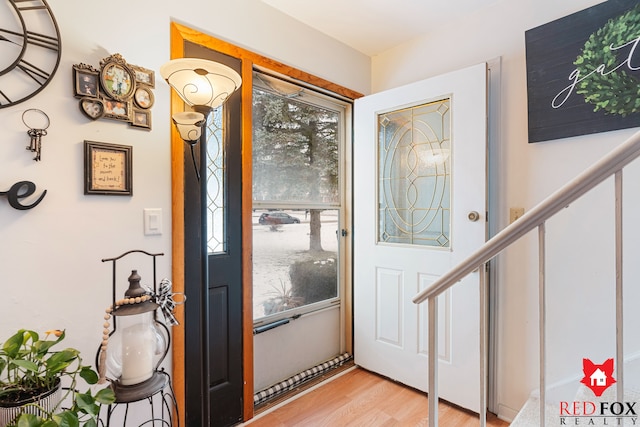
(30, 49)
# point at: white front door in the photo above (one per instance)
(419, 172)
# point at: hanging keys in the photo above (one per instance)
(38, 124)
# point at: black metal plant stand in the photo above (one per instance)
(157, 391)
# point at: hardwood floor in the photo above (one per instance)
(361, 398)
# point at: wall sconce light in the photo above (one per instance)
(203, 85)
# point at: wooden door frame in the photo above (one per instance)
(179, 35)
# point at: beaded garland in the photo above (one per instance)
(106, 331)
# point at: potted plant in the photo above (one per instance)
(36, 380)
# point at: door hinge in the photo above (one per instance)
(344, 232)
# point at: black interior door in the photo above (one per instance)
(213, 280)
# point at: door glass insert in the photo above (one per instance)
(215, 176)
(298, 136)
(414, 182)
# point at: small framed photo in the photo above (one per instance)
(117, 81)
(141, 118)
(144, 76)
(86, 81)
(143, 97)
(108, 169)
(92, 107)
(117, 110)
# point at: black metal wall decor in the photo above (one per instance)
(117, 91)
(30, 49)
(583, 72)
(21, 190)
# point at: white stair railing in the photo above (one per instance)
(611, 164)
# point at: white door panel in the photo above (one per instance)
(391, 331)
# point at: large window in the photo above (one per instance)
(298, 138)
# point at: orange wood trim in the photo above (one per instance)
(177, 230)
(247, 237)
(261, 61)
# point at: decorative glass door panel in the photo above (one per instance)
(414, 147)
(215, 176)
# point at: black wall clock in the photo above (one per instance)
(30, 49)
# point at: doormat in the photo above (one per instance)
(294, 381)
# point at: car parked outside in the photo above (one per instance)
(275, 218)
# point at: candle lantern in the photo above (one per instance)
(136, 345)
(135, 341)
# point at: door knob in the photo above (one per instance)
(473, 216)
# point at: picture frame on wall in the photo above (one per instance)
(92, 107)
(144, 76)
(108, 169)
(143, 97)
(86, 81)
(141, 118)
(117, 79)
(117, 110)
(116, 90)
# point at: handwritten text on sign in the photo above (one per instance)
(108, 170)
(601, 69)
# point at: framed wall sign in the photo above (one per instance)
(583, 72)
(108, 169)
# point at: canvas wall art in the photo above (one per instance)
(583, 72)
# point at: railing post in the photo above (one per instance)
(433, 361)
(619, 289)
(484, 339)
(542, 313)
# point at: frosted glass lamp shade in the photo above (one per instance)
(189, 125)
(200, 82)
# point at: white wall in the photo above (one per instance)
(529, 173)
(50, 256)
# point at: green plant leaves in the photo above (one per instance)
(11, 347)
(106, 396)
(29, 366)
(25, 364)
(86, 403)
(60, 360)
(89, 375)
(67, 419)
(28, 420)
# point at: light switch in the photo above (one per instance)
(152, 221)
(515, 213)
